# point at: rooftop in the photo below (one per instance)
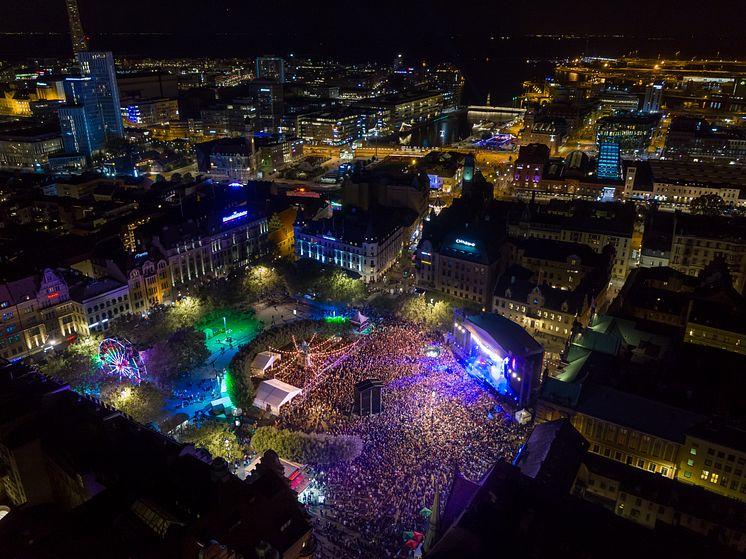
(508, 335)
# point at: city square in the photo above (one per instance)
(436, 421)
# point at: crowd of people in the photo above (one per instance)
(436, 420)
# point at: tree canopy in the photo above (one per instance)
(435, 315)
(144, 402)
(707, 204)
(314, 448)
(215, 437)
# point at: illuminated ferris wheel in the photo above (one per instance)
(119, 358)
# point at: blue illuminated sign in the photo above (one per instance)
(465, 243)
(328, 238)
(235, 215)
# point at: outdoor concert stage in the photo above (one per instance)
(501, 353)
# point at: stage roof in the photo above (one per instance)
(507, 334)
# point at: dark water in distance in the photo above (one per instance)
(491, 65)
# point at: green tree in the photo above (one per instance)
(431, 315)
(217, 438)
(188, 349)
(185, 313)
(261, 281)
(78, 365)
(312, 448)
(143, 402)
(707, 204)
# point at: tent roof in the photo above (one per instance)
(359, 318)
(264, 359)
(275, 392)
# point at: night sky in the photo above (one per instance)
(387, 18)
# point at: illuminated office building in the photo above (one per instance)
(653, 98)
(81, 121)
(367, 243)
(100, 67)
(270, 68)
(609, 161)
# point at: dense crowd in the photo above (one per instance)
(436, 420)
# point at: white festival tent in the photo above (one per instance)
(272, 394)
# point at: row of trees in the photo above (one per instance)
(429, 314)
(307, 276)
(143, 402)
(313, 448)
(215, 437)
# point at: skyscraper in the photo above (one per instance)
(609, 160)
(81, 120)
(270, 68)
(76, 28)
(653, 98)
(100, 67)
(92, 114)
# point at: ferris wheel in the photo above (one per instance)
(119, 358)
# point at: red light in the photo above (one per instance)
(53, 295)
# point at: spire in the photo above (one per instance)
(432, 529)
(76, 28)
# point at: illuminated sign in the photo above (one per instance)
(303, 192)
(141, 254)
(465, 243)
(328, 238)
(235, 215)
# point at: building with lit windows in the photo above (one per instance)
(699, 239)
(80, 44)
(269, 99)
(609, 163)
(677, 182)
(595, 224)
(270, 68)
(366, 243)
(28, 147)
(150, 112)
(99, 66)
(81, 119)
(334, 128)
(403, 108)
(653, 97)
(101, 301)
(714, 457)
(529, 165)
(38, 313)
(210, 246)
(552, 289)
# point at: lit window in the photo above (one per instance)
(704, 475)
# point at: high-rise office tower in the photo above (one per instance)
(100, 67)
(270, 68)
(92, 114)
(609, 160)
(81, 119)
(653, 98)
(76, 28)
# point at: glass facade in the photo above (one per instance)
(609, 161)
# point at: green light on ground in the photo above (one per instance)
(336, 319)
